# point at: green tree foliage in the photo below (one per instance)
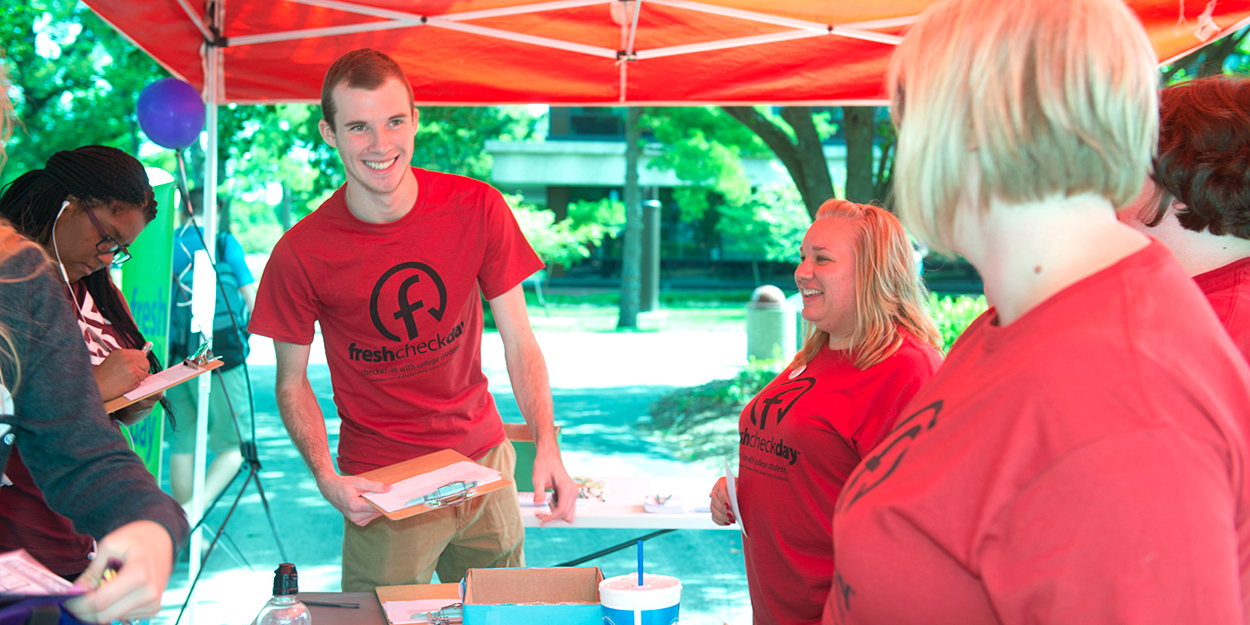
(453, 139)
(1229, 55)
(75, 81)
(267, 152)
(606, 213)
(952, 314)
(703, 147)
(770, 222)
(567, 241)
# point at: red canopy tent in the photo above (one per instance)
(571, 52)
(566, 52)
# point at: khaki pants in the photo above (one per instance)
(484, 532)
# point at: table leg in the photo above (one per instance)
(615, 548)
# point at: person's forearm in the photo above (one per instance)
(248, 291)
(527, 371)
(306, 425)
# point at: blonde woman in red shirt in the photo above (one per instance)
(870, 348)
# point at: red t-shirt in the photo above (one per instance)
(798, 440)
(1084, 464)
(401, 315)
(1228, 290)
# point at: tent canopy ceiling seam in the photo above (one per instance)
(552, 51)
(398, 19)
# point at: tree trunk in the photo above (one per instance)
(803, 157)
(631, 258)
(857, 122)
(284, 217)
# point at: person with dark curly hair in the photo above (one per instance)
(85, 207)
(1197, 202)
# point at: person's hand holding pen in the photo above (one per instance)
(121, 372)
(128, 575)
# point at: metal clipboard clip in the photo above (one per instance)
(446, 615)
(201, 357)
(450, 494)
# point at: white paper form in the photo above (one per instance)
(731, 483)
(21, 574)
(402, 612)
(166, 378)
(403, 492)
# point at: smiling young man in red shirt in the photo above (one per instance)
(394, 267)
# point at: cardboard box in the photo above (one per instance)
(523, 442)
(567, 596)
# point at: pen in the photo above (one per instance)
(110, 570)
(95, 336)
(331, 604)
(147, 347)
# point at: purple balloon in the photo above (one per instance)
(171, 113)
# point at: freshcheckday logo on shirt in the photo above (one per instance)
(773, 404)
(406, 298)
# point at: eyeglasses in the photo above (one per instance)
(108, 245)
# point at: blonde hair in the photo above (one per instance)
(10, 244)
(888, 294)
(10, 241)
(1046, 98)
(7, 119)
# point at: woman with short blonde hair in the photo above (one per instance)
(1081, 456)
(871, 347)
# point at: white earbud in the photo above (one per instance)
(60, 265)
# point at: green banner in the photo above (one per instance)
(146, 281)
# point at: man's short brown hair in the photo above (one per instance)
(365, 68)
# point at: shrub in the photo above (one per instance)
(953, 314)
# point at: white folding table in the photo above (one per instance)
(622, 508)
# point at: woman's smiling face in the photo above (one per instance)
(826, 278)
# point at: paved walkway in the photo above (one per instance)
(602, 384)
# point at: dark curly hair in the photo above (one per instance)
(100, 177)
(1204, 156)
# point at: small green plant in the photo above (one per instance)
(952, 314)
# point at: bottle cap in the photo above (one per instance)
(285, 580)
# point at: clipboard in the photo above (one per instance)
(450, 593)
(455, 494)
(162, 382)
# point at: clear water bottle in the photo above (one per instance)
(284, 608)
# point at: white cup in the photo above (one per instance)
(656, 602)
